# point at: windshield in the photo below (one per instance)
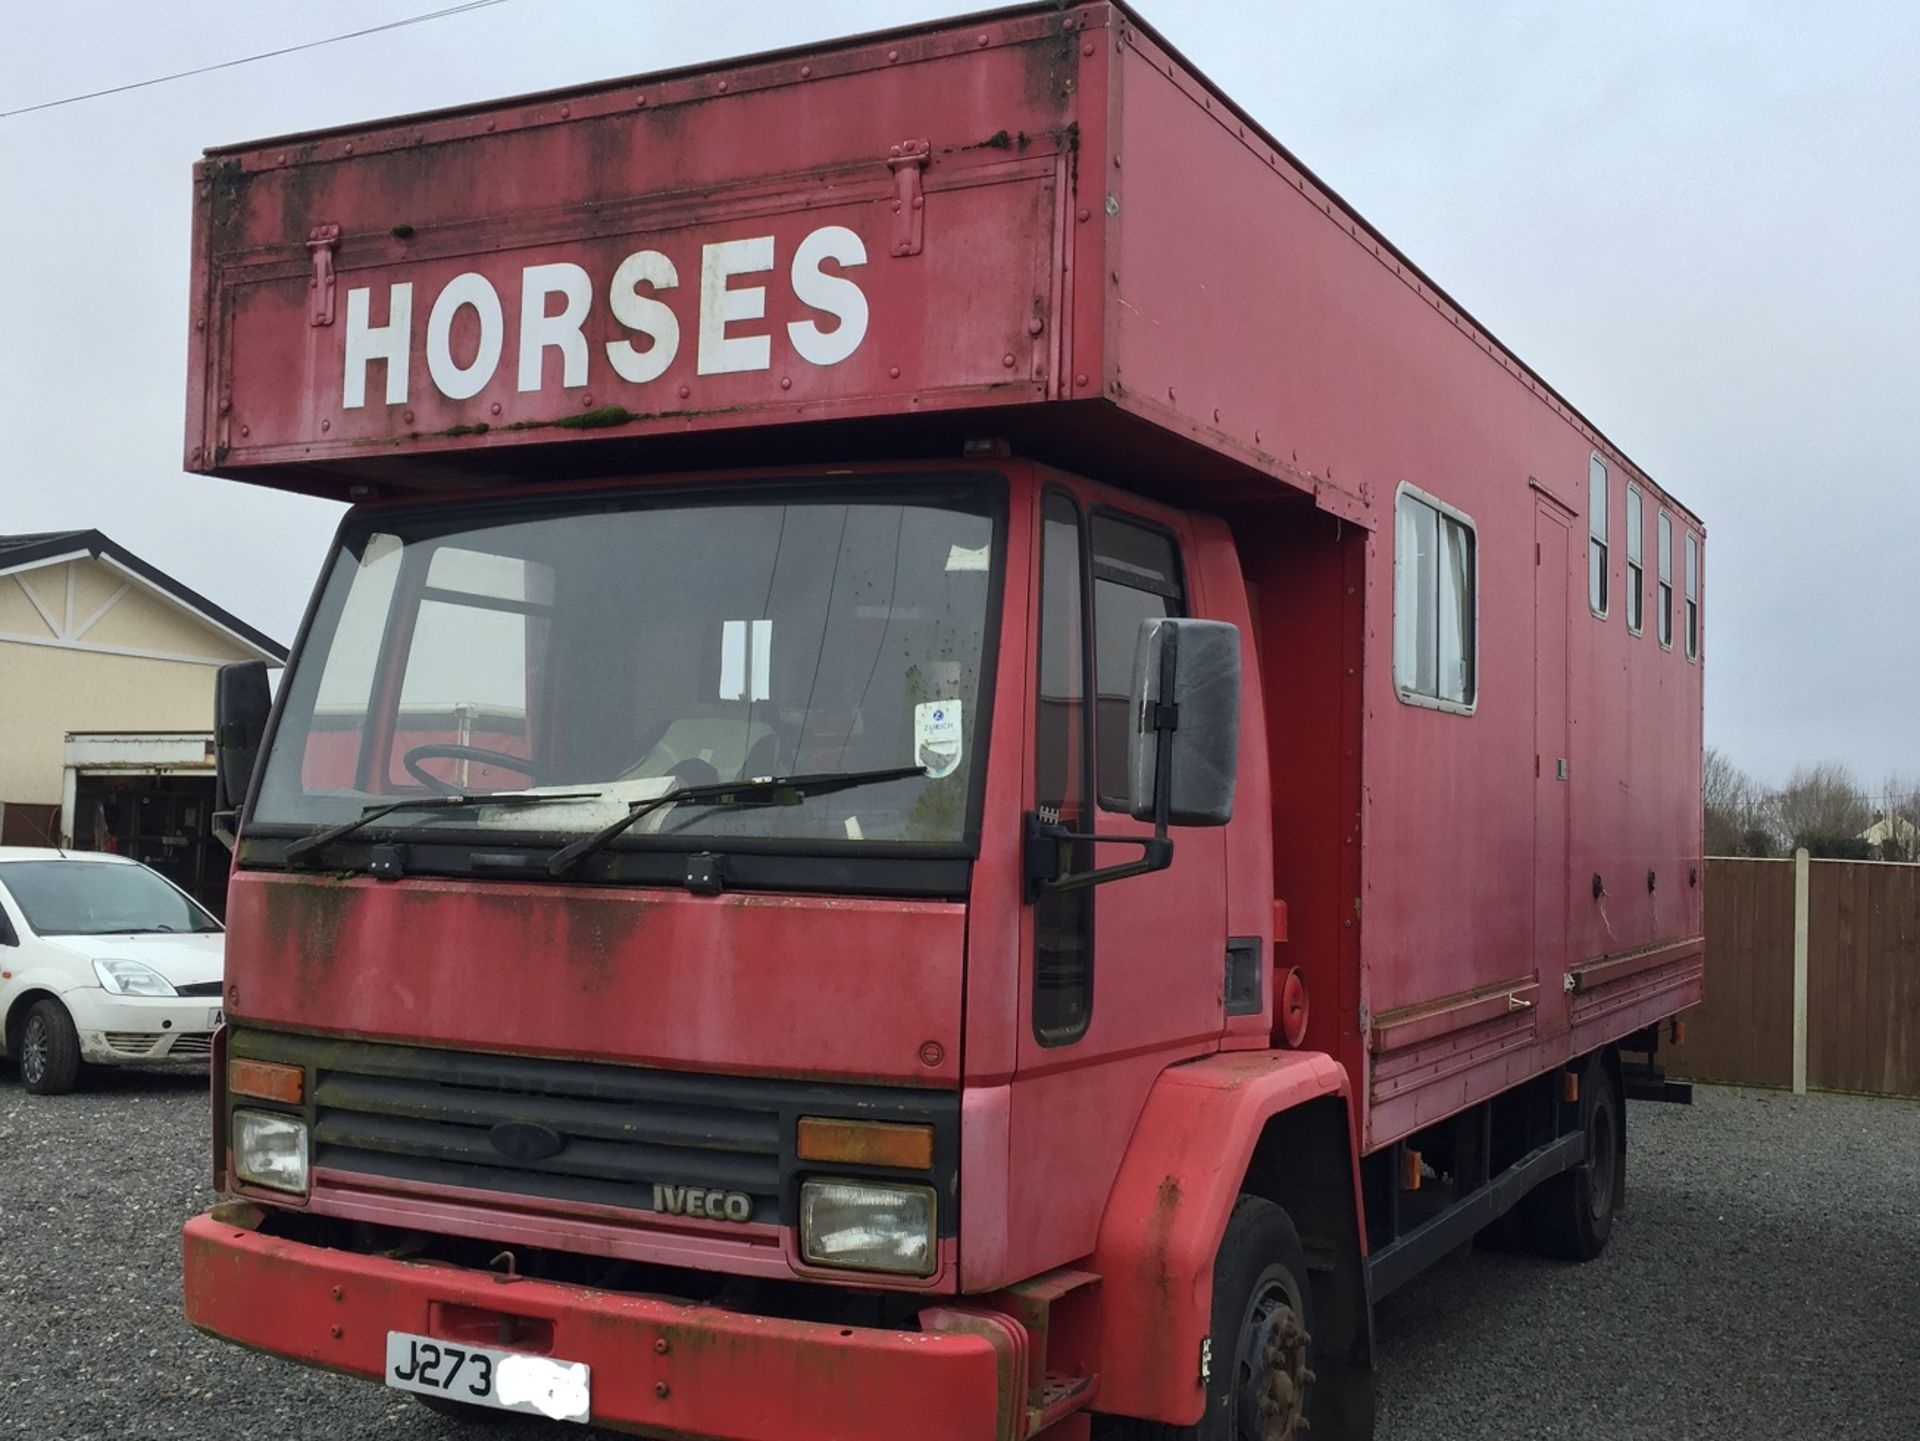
(99, 898)
(624, 648)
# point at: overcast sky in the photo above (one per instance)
(1694, 218)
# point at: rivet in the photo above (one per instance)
(893, 371)
(983, 40)
(326, 425)
(565, 111)
(200, 324)
(919, 201)
(586, 402)
(660, 1347)
(1036, 325)
(496, 407)
(1087, 49)
(407, 416)
(1080, 379)
(685, 391)
(786, 382)
(639, 100)
(334, 1331)
(283, 159)
(1085, 215)
(896, 207)
(1006, 360)
(893, 56)
(662, 1390)
(246, 430)
(349, 147)
(491, 124)
(806, 71)
(723, 87)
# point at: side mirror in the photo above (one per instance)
(1183, 748)
(240, 707)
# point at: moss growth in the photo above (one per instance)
(481, 428)
(596, 419)
(402, 232)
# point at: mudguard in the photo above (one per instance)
(1176, 1187)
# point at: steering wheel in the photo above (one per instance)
(451, 750)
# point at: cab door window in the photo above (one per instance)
(1136, 577)
(1063, 743)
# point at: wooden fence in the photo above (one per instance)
(1851, 929)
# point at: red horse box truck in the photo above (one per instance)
(969, 768)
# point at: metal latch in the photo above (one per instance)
(321, 241)
(909, 158)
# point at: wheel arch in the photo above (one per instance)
(17, 1009)
(1273, 1123)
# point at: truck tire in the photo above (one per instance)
(1262, 1352)
(48, 1049)
(1570, 1216)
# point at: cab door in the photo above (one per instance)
(1125, 977)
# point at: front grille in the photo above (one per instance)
(617, 1133)
(197, 1044)
(133, 1043)
(202, 988)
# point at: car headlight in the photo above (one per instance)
(868, 1226)
(270, 1150)
(131, 978)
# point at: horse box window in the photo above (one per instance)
(1436, 603)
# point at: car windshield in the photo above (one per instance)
(623, 648)
(99, 898)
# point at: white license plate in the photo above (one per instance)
(216, 1018)
(482, 1376)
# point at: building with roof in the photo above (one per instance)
(106, 704)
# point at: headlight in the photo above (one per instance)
(130, 978)
(270, 1151)
(868, 1226)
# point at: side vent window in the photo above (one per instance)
(1664, 616)
(1597, 596)
(1636, 564)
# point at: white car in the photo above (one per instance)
(102, 962)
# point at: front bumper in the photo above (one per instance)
(660, 1367)
(141, 1030)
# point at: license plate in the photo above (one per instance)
(482, 1376)
(216, 1018)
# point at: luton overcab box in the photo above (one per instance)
(969, 761)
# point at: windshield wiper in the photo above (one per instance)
(307, 845)
(767, 790)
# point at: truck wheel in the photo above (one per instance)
(1262, 1349)
(1570, 1216)
(49, 1050)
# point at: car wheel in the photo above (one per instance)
(49, 1050)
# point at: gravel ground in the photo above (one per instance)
(1764, 1281)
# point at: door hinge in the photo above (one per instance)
(321, 241)
(909, 158)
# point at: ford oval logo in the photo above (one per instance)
(524, 1141)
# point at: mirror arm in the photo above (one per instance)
(1042, 851)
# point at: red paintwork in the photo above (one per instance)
(1119, 272)
(603, 974)
(333, 1309)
